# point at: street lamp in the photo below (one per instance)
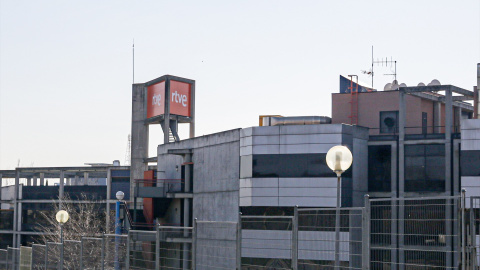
(339, 159)
(61, 217)
(120, 195)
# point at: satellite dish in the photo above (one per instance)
(403, 85)
(434, 82)
(395, 85)
(387, 87)
(421, 84)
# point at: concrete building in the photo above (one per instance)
(27, 192)
(408, 142)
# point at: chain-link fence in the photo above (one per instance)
(416, 233)
(3, 259)
(52, 255)
(141, 249)
(92, 253)
(175, 247)
(216, 245)
(324, 244)
(403, 234)
(267, 241)
(25, 258)
(38, 257)
(115, 251)
(13, 258)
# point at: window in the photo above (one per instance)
(379, 168)
(425, 168)
(469, 163)
(389, 122)
(292, 165)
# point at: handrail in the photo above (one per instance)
(159, 180)
(135, 224)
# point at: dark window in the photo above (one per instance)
(425, 168)
(379, 168)
(389, 122)
(292, 165)
(120, 184)
(470, 163)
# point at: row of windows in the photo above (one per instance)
(424, 167)
(292, 165)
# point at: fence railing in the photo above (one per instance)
(405, 233)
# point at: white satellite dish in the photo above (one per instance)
(403, 85)
(421, 84)
(395, 85)
(387, 87)
(434, 82)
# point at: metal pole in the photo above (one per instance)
(81, 253)
(463, 227)
(6, 260)
(46, 255)
(473, 234)
(102, 253)
(337, 225)
(366, 233)
(295, 239)
(127, 259)
(194, 244)
(61, 250)
(157, 247)
(118, 231)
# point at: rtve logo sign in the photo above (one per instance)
(157, 99)
(178, 98)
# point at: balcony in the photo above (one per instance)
(161, 188)
(412, 133)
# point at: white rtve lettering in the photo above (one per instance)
(179, 98)
(156, 100)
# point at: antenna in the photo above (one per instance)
(133, 65)
(128, 151)
(384, 62)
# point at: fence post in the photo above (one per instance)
(462, 209)
(473, 244)
(81, 253)
(127, 260)
(6, 259)
(102, 253)
(239, 241)
(366, 233)
(194, 244)
(46, 255)
(295, 239)
(157, 247)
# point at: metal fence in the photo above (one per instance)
(404, 234)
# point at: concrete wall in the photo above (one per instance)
(139, 143)
(216, 160)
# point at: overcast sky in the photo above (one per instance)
(66, 66)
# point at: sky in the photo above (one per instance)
(66, 67)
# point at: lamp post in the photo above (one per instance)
(339, 159)
(118, 230)
(61, 217)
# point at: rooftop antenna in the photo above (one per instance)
(384, 62)
(128, 151)
(133, 65)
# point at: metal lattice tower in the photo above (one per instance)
(128, 151)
